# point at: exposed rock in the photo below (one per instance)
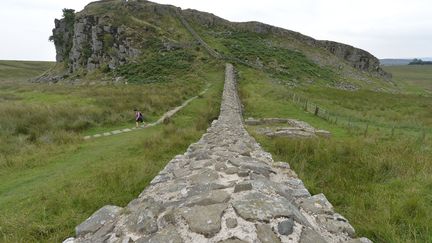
(143, 218)
(260, 207)
(212, 197)
(297, 129)
(311, 236)
(323, 133)
(204, 177)
(221, 167)
(317, 204)
(243, 186)
(359, 240)
(358, 58)
(166, 235)
(248, 163)
(83, 43)
(286, 227)
(266, 234)
(232, 240)
(232, 170)
(336, 224)
(243, 173)
(103, 216)
(251, 121)
(204, 220)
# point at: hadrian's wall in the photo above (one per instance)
(224, 188)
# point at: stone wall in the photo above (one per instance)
(210, 50)
(224, 188)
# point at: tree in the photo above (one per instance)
(69, 16)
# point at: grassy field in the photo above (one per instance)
(22, 70)
(382, 184)
(407, 112)
(52, 180)
(414, 78)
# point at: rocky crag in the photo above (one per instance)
(91, 41)
(224, 188)
(110, 33)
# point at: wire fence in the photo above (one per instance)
(355, 124)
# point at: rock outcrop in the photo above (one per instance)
(359, 59)
(224, 188)
(92, 41)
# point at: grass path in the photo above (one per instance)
(166, 115)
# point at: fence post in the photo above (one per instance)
(306, 105)
(316, 110)
(293, 98)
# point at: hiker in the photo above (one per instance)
(139, 118)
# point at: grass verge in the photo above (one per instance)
(45, 203)
(381, 184)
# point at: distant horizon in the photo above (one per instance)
(391, 29)
(407, 58)
(391, 58)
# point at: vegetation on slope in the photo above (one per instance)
(382, 184)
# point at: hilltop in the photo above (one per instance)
(140, 41)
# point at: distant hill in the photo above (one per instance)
(394, 62)
(420, 62)
(401, 61)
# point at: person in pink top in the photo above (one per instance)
(139, 118)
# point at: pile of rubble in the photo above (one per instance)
(293, 129)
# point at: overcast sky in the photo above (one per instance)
(386, 28)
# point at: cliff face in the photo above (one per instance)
(358, 58)
(93, 42)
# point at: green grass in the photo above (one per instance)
(22, 70)
(381, 184)
(382, 110)
(58, 186)
(284, 64)
(414, 78)
(38, 115)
